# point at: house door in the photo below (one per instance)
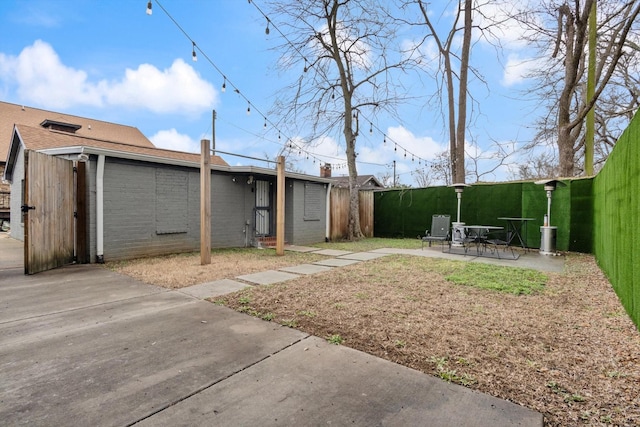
(48, 212)
(263, 208)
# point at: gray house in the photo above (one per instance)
(132, 201)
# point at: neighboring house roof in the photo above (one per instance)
(60, 142)
(12, 114)
(63, 143)
(363, 182)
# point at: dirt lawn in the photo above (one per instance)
(568, 351)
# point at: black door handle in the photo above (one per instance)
(26, 208)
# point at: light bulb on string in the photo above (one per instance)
(149, 8)
(248, 109)
(384, 141)
(193, 53)
(405, 154)
(224, 84)
(370, 128)
(265, 122)
(305, 65)
(266, 30)
(395, 147)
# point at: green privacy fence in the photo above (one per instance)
(407, 213)
(598, 215)
(616, 204)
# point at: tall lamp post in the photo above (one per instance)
(457, 238)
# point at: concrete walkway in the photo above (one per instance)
(82, 345)
(531, 259)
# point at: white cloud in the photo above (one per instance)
(40, 77)
(173, 90)
(516, 70)
(172, 140)
(498, 17)
(424, 147)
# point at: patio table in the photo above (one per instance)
(517, 229)
(479, 235)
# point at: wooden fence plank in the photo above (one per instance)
(339, 213)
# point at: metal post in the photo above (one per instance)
(549, 207)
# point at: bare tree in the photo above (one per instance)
(538, 167)
(562, 76)
(447, 49)
(440, 168)
(485, 163)
(350, 70)
(386, 179)
(422, 177)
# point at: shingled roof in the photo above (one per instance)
(12, 114)
(363, 182)
(39, 139)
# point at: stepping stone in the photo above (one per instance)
(268, 277)
(213, 289)
(363, 256)
(294, 248)
(306, 269)
(332, 252)
(335, 262)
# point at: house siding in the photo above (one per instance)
(15, 216)
(131, 211)
(231, 210)
(153, 209)
(306, 230)
(91, 207)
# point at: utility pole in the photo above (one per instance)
(394, 174)
(213, 133)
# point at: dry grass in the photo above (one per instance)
(568, 351)
(180, 270)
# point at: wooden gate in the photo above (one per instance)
(48, 212)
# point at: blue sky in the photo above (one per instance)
(111, 61)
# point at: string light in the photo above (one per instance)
(307, 65)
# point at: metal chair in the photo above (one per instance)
(440, 230)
